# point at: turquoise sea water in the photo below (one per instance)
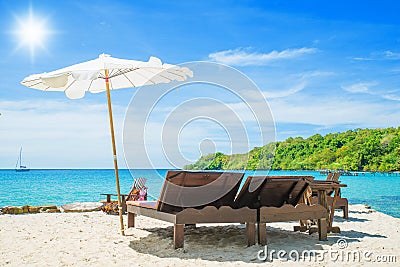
(42, 187)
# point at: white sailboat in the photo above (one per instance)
(18, 166)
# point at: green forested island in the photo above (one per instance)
(353, 150)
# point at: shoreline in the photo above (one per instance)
(93, 239)
(50, 208)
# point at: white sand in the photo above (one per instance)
(93, 239)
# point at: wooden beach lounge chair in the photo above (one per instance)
(183, 201)
(276, 199)
(111, 207)
(321, 187)
(341, 203)
(138, 190)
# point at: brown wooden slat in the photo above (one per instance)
(291, 213)
(297, 192)
(307, 177)
(152, 213)
(224, 185)
(273, 191)
(212, 214)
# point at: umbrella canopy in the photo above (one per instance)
(89, 76)
(104, 74)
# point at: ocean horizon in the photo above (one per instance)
(381, 191)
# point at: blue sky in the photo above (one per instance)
(323, 66)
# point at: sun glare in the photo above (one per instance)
(32, 33)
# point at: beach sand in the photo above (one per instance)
(93, 239)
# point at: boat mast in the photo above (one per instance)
(20, 157)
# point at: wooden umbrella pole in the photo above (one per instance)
(121, 220)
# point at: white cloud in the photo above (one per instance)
(379, 92)
(362, 58)
(392, 55)
(359, 87)
(241, 57)
(385, 55)
(391, 97)
(287, 85)
(315, 74)
(283, 93)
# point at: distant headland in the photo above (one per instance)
(353, 150)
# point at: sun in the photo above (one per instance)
(32, 32)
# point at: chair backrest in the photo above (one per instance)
(138, 190)
(182, 189)
(272, 191)
(329, 176)
(139, 183)
(335, 177)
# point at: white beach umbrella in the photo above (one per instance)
(106, 73)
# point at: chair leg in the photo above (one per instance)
(322, 229)
(123, 203)
(346, 212)
(131, 219)
(262, 234)
(251, 233)
(179, 232)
